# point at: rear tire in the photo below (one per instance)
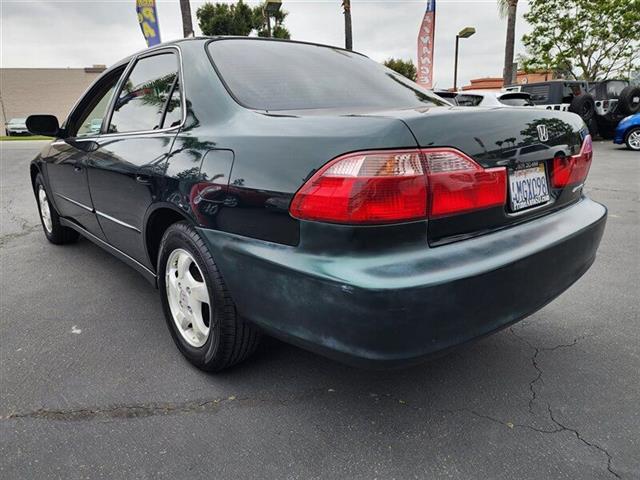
(583, 105)
(198, 308)
(629, 100)
(49, 218)
(632, 139)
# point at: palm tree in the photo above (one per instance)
(348, 35)
(508, 8)
(187, 27)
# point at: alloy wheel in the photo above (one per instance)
(45, 210)
(634, 140)
(188, 297)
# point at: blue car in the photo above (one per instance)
(628, 132)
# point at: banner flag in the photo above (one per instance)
(148, 20)
(426, 37)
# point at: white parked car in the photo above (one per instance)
(16, 126)
(485, 98)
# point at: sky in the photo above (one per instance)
(80, 33)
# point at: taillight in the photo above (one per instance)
(457, 184)
(571, 170)
(395, 186)
(368, 187)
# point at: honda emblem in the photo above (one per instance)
(543, 134)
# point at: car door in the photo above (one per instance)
(66, 159)
(126, 168)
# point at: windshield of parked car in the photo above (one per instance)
(275, 75)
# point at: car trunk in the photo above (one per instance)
(518, 139)
(523, 141)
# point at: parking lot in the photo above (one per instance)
(93, 387)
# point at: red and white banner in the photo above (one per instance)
(425, 46)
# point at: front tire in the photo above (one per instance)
(54, 231)
(198, 308)
(632, 139)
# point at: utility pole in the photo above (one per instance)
(348, 34)
(187, 26)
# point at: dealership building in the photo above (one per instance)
(24, 91)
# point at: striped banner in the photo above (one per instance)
(425, 46)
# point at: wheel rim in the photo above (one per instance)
(45, 211)
(634, 140)
(188, 298)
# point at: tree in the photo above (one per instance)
(226, 19)
(406, 68)
(187, 26)
(590, 40)
(509, 9)
(240, 19)
(348, 33)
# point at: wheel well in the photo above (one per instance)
(34, 173)
(159, 221)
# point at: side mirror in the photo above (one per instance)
(46, 125)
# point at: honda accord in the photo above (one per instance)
(310, 193)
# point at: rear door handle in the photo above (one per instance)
(145, 180)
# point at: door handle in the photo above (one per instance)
(77, 168)
(143, 179)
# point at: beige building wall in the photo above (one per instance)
(24, 91)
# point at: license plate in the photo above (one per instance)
(528, 187)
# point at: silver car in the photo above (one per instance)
(16, 126)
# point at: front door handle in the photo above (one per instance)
(143, 179)
(77, 168)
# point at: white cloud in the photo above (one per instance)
(77, 33)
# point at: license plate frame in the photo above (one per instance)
(528, 187)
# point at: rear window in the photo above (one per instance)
(468, 100)
(539, 93)
(516, 100)
(274, 75)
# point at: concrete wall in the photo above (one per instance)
(24, 91)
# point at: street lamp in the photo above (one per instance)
(464, 33)
(271, 7)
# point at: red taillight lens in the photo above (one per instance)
(394, 186)
(574, 169)
(457, 184)
(370, 187)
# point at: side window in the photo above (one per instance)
(90, 120)
(142, 100)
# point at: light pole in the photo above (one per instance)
(464, 33)
(271, 8)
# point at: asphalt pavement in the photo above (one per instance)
(91, 385)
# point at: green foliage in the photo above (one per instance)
(406, 68)
(586, 39)
(240, 19)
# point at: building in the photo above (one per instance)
(495, 83)
(24, 91)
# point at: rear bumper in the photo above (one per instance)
(396, 308)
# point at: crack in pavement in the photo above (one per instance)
(534, 396)
(142, 410)
(589, 444)
(534, 362)
(4, 239)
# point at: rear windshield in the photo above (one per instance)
(539, 93)
(468, 100)
(273, 75)
(516, 100)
